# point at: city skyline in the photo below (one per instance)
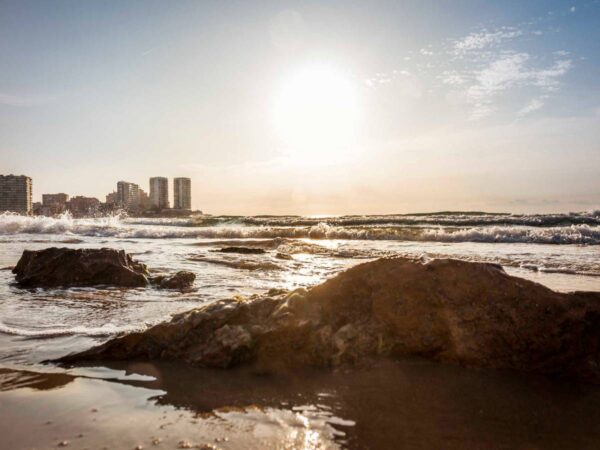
(16, 195)
(308, 108)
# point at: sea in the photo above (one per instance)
(561, 251)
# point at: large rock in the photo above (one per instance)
(53, 267)
(446, 310)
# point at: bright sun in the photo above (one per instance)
(316, 113)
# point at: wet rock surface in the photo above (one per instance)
(445, 310)
(243, 250)
(66, 267)
(180, 280)
(53, 267)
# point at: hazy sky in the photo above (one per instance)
(326, 107)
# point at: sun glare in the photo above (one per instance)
(316, 114)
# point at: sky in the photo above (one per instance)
(308, 107)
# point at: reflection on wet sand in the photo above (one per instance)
(17, 379)
(409, 404)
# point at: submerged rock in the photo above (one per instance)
(53, 267)
(181, 280)
(64, 267)
(446, 310)
(243, 250)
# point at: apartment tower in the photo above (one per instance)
(182, 193)
(159, 192)
(128, 194)
(15, 194)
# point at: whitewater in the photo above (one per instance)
(573, 228)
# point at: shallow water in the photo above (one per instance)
(420, 405)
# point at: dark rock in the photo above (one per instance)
(243, 250)
(286, 256)
(53, 267)
(181, 280)
(446, 310)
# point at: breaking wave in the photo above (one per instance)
(436, 231)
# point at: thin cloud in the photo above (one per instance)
(534, 105)
(385, 77)
(483, 39)
(512, 71)
(483, 69)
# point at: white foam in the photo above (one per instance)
(105, 330)
(118, 227)
(64, 224)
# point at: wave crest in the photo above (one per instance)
(115, 226)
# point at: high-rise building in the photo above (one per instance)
(128, 195)
(182, 193)
(15, 194)
(159, 192)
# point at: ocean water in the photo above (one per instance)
(561, 251)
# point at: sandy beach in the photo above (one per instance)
(410, 404)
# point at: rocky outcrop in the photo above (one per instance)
(54, 267)
(65, 267)
(446, 310)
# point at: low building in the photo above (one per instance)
(84, 206)
(53, 204)
(16, 194)
(38, 209)
(111, 199)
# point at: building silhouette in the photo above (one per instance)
(182, 193)
(15, 194)
(53, 204)
(81, 206)
(128, 195)
(159, 192)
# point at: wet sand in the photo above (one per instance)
(412, 404)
